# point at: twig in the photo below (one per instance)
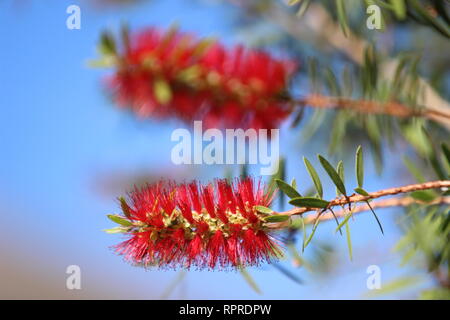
(404, 201)
(319, 28)
(391, 108)
(385, 203)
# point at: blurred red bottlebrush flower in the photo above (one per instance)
(206, 226)
(173, 74)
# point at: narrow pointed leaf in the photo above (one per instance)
(249, 279)
(119, 220)
(342, 16)
(416, 172)
(288, 273)
(316, 224)
(125, 207)
(263, 209)
(349, 241)
(446, 151)
(343, 222)
(277, 218)
(304, 234)
(424, 195)
(333, 174)
(359, 167)
(107, 44)
(309, 202)
(294, 183)
(361, 191)
(303, 7)
(394, 286)
(399, 8)
(172, 286)
(314, 176)
(340, 172)
(432, 157)
(115, 230)
(287, 189)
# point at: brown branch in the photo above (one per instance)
(378, 204)
(384, 203)
(354, 198)
(319, 28)
(391, 108)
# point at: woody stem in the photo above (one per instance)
(354, 198)
(391, 108)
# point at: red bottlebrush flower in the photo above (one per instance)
(212, 226)
(173, 74)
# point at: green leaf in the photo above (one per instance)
(333, 174)
(163, 93)
(338, 130)
(168, 291)
(314, 176)
(293, 2)
(304, 234)
(125, 208)
(393, 286)
(287, 273)
(107, 44)
(103, 62)
(332, 82)
(342, 17)
(287, 189)
(432, 157)
(424, 195)
(303, 7)
(359, 167)
(435, 294)
(399, 8)
(309, 202)
(263, 209)
(361, 191)
(349, 241)
(339, 227)
(316, 224)
(115, 230)
(340, 172)
(423, 12)
(296, 223)
(446, 151)
(417, 174)
(249, 279)
(119, 220)
(294, 183)
(280, 174)
(277, 218)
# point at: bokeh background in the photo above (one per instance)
(67, 153)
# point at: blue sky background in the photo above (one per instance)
(59, 134)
